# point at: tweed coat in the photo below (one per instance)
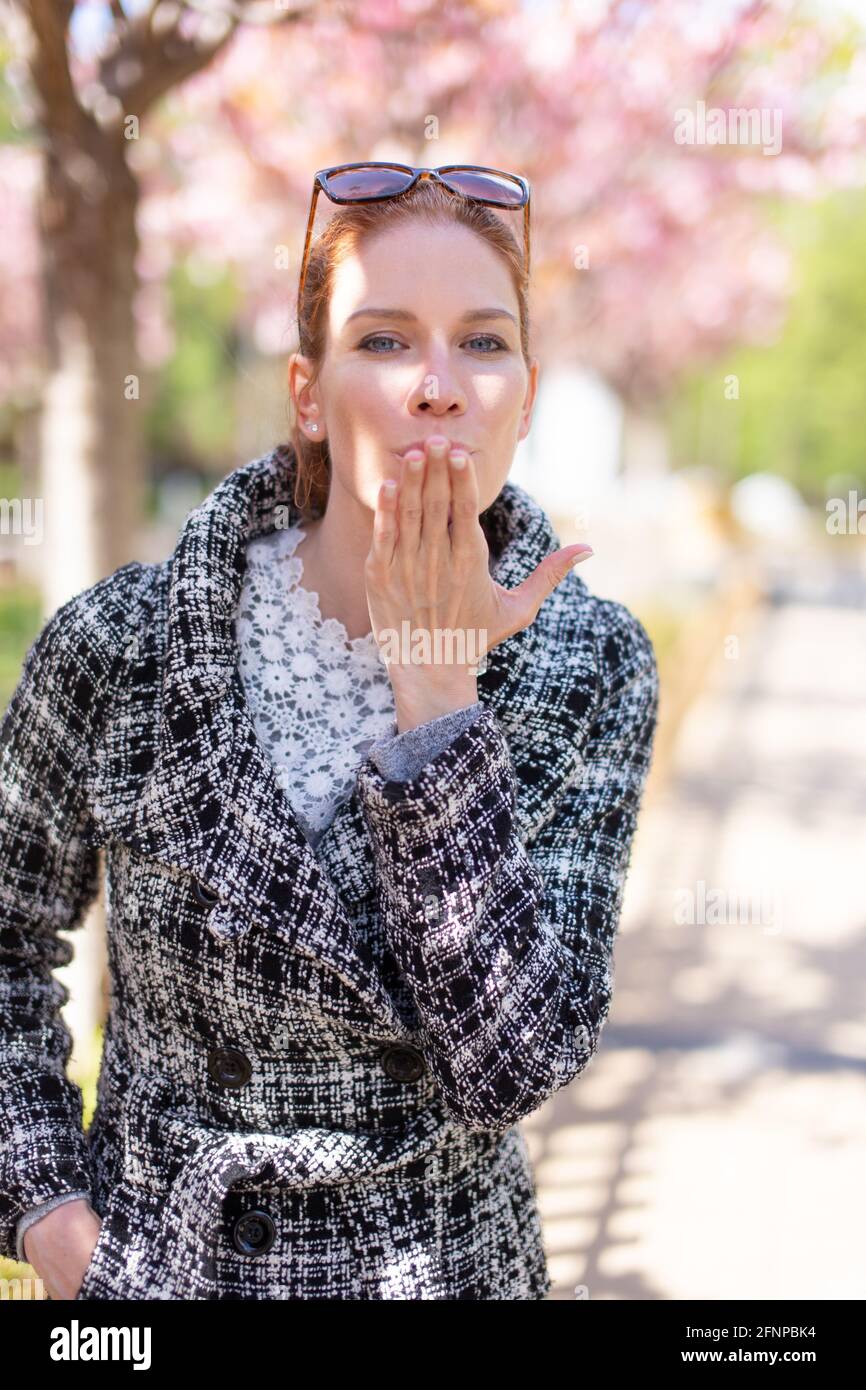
(314, 1061)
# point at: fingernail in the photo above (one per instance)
(389, 486)
(581, 555)
(458, 460)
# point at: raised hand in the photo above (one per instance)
(429, 565)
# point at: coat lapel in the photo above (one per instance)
(211, 804)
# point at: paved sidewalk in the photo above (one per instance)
(716, 1146)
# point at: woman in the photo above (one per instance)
(361, 894)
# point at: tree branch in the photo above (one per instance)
(48, 61)
(159, 58)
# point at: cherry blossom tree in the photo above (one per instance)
(190, 131)
(88, 111)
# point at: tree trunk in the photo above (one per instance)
(92, 455)
(91, 436)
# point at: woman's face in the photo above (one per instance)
(423, 338)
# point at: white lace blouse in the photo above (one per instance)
(321, 703)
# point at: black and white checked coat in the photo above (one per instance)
(315, 1061)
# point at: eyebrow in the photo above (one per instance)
(471, 315)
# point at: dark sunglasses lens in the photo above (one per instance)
(367, 183)
(494, 187)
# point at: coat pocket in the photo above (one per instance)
(88, 1282)
(104, 1277)
(125, 1249)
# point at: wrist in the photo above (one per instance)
(57, 1224)
(421, 694)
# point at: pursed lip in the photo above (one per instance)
(420, 443)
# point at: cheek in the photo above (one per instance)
(360, 396)
(500, 395)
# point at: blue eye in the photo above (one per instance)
(378, 338)
(490, 338)
(498, 344)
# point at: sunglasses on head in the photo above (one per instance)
(373, 182)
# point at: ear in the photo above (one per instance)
(305, 397)
(529, 399)
(299, 374)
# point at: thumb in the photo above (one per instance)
(539, 585)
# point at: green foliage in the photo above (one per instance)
(191, 413)
(801, 410)
(12, 128)
(20, 622)
(21, 612)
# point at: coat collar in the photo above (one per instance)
(211, 804)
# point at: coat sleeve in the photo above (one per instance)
(49, 875)
(507, 946)
(400, 757)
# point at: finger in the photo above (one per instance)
(385, 526)
(436, 496)
(409, 511)
(435, 548)
(464, 504)
(530, 595)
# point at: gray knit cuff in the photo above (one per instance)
(400, 757)
(35, 1214)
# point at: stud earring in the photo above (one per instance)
(312, 425)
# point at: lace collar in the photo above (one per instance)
(275, 553)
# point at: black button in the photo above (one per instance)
(403, 1063)
(228, 1067)
(203, 895)
(254, 1233)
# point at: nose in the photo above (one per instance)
(438, 392)
(436, 407)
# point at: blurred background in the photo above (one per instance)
(698, 175)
